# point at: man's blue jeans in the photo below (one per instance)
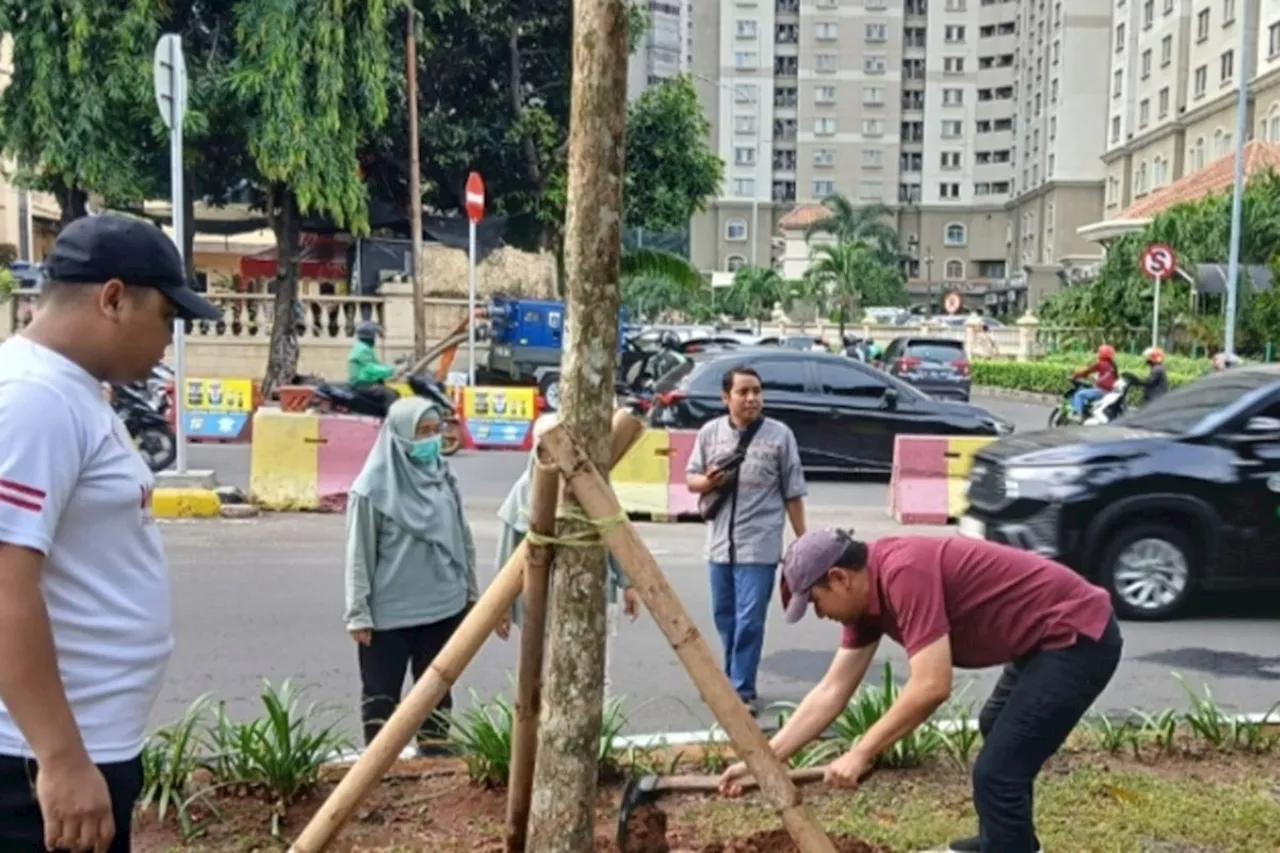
(1084, 397)
(740, 596)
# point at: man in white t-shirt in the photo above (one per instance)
(85, 614)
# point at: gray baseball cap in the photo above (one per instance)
(807, 562)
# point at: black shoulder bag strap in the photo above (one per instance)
(728, 493)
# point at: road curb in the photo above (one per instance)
(185, 503)
(1014, 394)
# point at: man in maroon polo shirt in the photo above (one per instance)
(953, 602)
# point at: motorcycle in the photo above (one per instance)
(341, 398)
(1104, 410)
(147, 425)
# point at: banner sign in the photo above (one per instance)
(217, 408)
(499, 417)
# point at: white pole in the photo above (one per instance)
(758, 184)
(471, 308)
(1237, 192)
(1155, 315)
(178, 203)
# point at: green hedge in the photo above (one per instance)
(1053, 376)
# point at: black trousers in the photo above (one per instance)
(1036, 703)
(383, 664)
(21, 825)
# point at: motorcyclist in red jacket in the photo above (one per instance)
(1106, 373)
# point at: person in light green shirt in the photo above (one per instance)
(514, 514)
(365, 371)
(410, 563)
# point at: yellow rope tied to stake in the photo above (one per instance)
(590, 537)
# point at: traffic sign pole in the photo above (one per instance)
(1159, 262)
(1155, 315)
(170, 72)
(475, 212)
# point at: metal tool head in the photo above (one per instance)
(638, 791)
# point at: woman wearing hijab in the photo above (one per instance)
(410, 575)
(514, 514)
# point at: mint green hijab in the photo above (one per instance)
(421, 497)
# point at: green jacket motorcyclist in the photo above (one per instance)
(363, 365)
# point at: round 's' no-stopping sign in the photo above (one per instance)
(1158, 260)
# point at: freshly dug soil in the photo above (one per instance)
(647, 831)
(778, 841)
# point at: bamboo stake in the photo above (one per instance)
(543, 499)
(426, 694)
(599, 502)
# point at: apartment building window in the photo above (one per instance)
(869, 190)
(1053, 91)
(746, 29)
(1117, 83)
(824, 158)
(949, 190)
(1159, 172)
(954, 270)
(733, 263)
(1140, 180)
(824, 95)
(1166, 51)
(823, 189)
(735, 230)
(872, 127)
(1221, 142)
(784, 191)
(1057, 51)
(954, 234)
(916, 7)
(876, 32)
(1148, 14)
(824, 62)
(873, 158)
(1115, 128)
(826, 31)
(1228, 12)
(1120, 38)
(1053, 127)
(912, 131)
(1162, 102)
(1201, 81)
(1202, 25)
(746, 93)
(1113, 190)
(744, 187)
(824, 127)
(1197, 154)
(744, 156)
(909, 193)
(950, 159)
(1226, 67)
(953, 34)
(870, 4)
(953, 65)
(872, 96)
(952, 129)
(910, 161)
(1144, 113)
(784, 97)
(785, 66)
(1273, 40)
(955, 5)
(787, 34)
(1145, 63)
(784, 160)
(982, 189)
(746, 60)
(874, 64)
(953, 97)
(1053, 159)
(1168, 7)
(744, 124)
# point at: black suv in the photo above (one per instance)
(1181, 494)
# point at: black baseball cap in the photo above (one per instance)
(96, 249)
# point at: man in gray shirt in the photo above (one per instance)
(756, 492)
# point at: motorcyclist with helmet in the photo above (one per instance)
(1106, 373)
(365, 371)
(1156, 385)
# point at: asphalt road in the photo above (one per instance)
(263, 599)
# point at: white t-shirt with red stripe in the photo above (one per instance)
(73, 487)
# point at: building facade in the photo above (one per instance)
(665, 50)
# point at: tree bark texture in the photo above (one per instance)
(282, 357)
(563, 810)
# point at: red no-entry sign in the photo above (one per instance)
(475, 197)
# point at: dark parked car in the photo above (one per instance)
(937, 366)
(1181, 494)
(845, 414)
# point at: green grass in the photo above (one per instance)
(1091, 810)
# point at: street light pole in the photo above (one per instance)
(415, 189)
(1237, 191)
(757, 185)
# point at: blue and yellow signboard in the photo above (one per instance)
(216, 408)
(499, 417)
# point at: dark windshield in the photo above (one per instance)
(941, 352)
(1179, 411)
(671, 372)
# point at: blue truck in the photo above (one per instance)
(526, 337)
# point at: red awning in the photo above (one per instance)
(320, 257)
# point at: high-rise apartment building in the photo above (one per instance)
(665, 50)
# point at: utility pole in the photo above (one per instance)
(1237, 191)
(415, 188)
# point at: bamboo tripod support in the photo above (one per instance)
(599, 501)
(426, 694)
(544, 493)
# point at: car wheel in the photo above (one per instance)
(549, 388)
(1149, 569)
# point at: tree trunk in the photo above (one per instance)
(73, 203)
(282, 358)
(563, 813)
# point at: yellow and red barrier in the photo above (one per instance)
(649, 479)
(927, 485)
(306, 460)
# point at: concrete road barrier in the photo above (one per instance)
(305, 460)
(929, 480)
(649, 479)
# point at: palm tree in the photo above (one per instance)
(850, 274)
(756, 289)
(654, 280)
(867, 224)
